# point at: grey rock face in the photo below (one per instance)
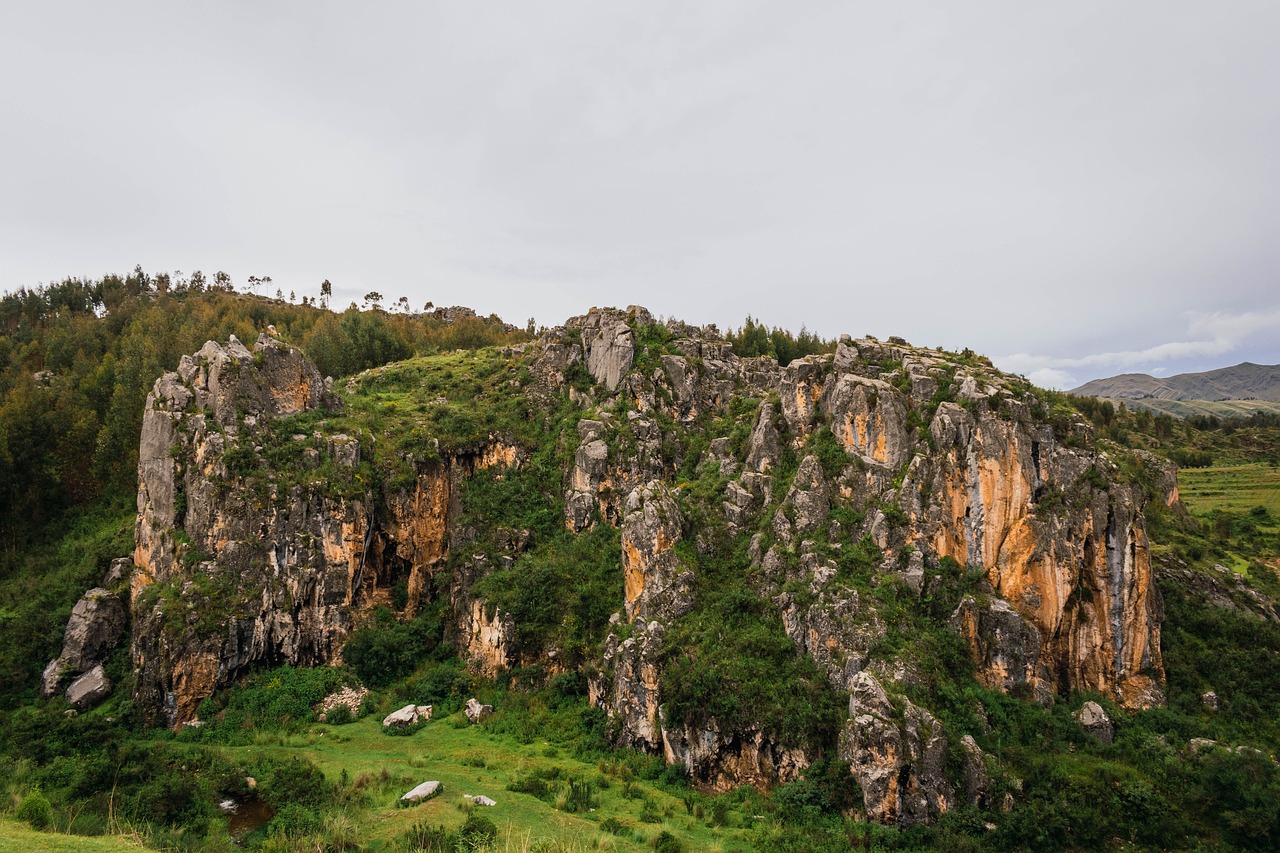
(632, 698)
(809, 496)
(1005, 646)
(899, 760)
(977, 781)
(762, 448)
(724, 760)
(96, 626)
(609, 345)
(1096, 722)
(90, 688)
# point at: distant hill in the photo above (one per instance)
(1245, 381)
(1227, 391)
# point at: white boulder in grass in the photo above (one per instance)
(423, 792)
(407, 716)
(476, 712)
(480, 800)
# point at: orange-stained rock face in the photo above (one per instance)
(1065, 546)
(655, 584)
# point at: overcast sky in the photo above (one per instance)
(1076, 189)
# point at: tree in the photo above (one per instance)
(373, 298)
(326, 293)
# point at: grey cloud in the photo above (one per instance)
(1065, 181)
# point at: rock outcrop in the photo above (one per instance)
(90, 688)
(240, 563)
(96, 626)
(821, 490)
(898, 757)
(1096, 722)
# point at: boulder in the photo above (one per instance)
(476, 712)
(121, 568)
(1096, 722)
(409, 715)
(96, 625)
(423, 792)
(481, 800)
(90, 688)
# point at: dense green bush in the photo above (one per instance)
(35, 809)
(386, 650)
(283, 698)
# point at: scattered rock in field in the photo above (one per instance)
(1096, 722)
(407, 716)
(480, 800)
(1210, 700)
(476, 712)
(423, 792)
(1197, 745)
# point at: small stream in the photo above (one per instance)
(245, 816)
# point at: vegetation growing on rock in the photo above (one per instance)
(873, 584)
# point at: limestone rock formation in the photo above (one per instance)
(821, 489)
(898, 758)
(476, 712)
(721, 760)
(237, 563)
(656, 585)
(97, 623)
(409, 715)
(1005, 647)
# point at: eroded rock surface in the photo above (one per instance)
(826, 479)
(898, 758)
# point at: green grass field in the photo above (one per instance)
(374, 769)
(16, 837)
(1235, 488)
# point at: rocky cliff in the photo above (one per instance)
(832, 495)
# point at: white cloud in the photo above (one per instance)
(1049, 377)
(1213, 334)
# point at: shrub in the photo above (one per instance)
(665, 842)
(477, 833)
(35, 809)
(422, 838)
(293, 820)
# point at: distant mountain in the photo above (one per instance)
(1243, 382)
